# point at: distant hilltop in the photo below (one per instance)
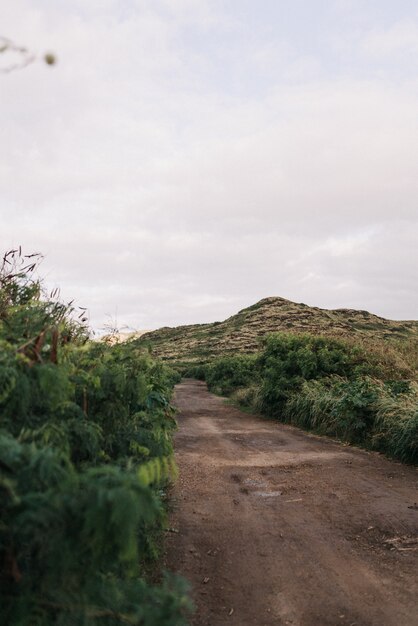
(243, 332)
(120, 337)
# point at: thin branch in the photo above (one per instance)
(6, 45)
(27, 57)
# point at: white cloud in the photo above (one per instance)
(399, 38)
(160, 191)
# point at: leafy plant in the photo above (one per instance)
(288, 360)
(230, 373)
(85, 452)
(335, 388)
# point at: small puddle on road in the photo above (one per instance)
(268, 494)
(262, 486)
(254, 483)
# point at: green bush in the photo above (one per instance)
(195, 371)
(248, 397)
(230, 373)
(288, 360)
(335, 406)
(85, 453)
(363, 411)
(325, 385)
(396, 423)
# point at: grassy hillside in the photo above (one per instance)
(242, 332)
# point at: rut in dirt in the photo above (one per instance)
(277, 526)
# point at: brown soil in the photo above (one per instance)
(275, 526)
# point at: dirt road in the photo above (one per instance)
(276, 526)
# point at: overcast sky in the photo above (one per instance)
(186, 158)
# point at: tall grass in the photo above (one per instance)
(396, 424)
(333, 387)
(364, 411)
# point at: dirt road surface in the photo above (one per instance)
(275, 526)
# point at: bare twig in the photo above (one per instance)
(26, 57)
(6, 45)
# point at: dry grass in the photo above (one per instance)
(394, 343)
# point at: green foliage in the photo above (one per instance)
(195, 371)
(288, 360)
(363, 411)
(396, 423)
(230, 373)
(335, 406)
(85, 452)
(324, 385)
(249, 397)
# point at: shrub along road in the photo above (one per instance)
(276, 526)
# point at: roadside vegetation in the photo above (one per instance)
(330, 386)
(85, 457)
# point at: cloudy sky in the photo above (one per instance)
(185, 158)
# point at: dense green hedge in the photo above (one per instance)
(85, 453)
(364, 411)
(288, 360)
(225, 375)
(326, 385)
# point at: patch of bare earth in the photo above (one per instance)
(276, 526)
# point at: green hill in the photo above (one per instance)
(242, 332)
